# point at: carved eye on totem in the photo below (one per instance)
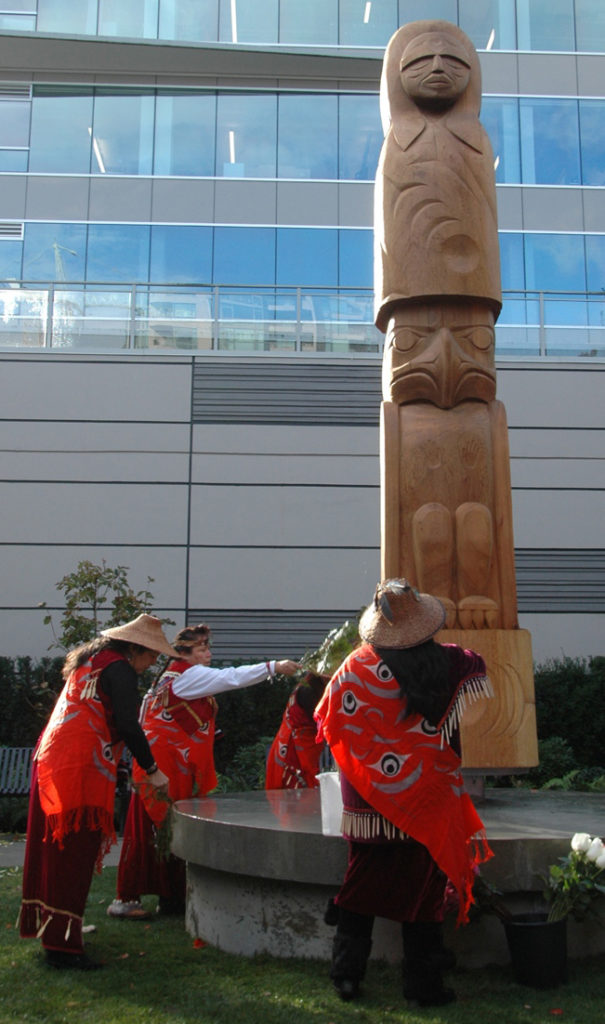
(406, 338)
(480, 336)
(350, 703)
(389, 765)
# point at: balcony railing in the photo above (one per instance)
(103, 318)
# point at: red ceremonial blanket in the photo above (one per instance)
(404, 767)
(293, 760)
(181, 736)
(77, 761)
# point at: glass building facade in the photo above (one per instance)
(113, 135)
(560, 25)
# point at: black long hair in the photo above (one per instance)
(423, 676)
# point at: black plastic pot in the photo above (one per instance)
(538, 949)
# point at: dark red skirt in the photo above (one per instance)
(140, 869)
(397, 880)
(56, 881)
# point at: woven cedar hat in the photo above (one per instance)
(400, 616)
(146, 630)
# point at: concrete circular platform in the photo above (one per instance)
(260, 871)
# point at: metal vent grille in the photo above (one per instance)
(14, 91)
(561, 581)
(266, 633)
(11, 229)
(269, 391)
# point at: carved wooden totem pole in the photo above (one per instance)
(446, 493)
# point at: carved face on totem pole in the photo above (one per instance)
(437, 271)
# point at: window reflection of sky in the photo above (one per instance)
(314, 136)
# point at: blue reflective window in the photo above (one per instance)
(595, 263)
(490, 24)
(14, 123)
(307, 256)
(181, 254)
(118, 252)
(314, 21)
(555, 262)
(545, 26)
(590, 26)
(360, 137)
(246, 130)
(367, 22)
(54, 252)
(245, 22)
(500, 117)
(244, 256)
(13, 160)
(17, 22)
(188, 19)
(137, 19)
(58, 113)
(512, 265)
(80, 16)
(355, 258)
(122, 137)
(184, 134)
(592, 134)
(307, 137)
(11, 252)
(595, 274)
(550, 141)
(416, 10)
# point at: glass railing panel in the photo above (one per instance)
(575, 342)
(23, 318)
(517, 340)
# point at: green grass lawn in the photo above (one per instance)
(154, 975)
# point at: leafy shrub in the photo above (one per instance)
(28, 691)
(556, 759)
(13, 813)
(570, 702)
(96, 596)
(247, 768)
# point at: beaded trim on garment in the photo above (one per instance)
(474, 689)
(369, 825)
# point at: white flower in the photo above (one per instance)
(600, 861)
(580, 843)
(595, 849)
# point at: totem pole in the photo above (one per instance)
(445, 476)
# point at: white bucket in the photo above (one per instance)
(331, 803)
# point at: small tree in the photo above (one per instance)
(96, 596)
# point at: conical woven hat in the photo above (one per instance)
(400, 616)
(146, 630)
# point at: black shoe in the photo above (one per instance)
(169, 908)
(70, 961)
(438, 997)
(347, 989)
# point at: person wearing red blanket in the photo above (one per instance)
(390, 715)
(71, 809)
(178, 718)
(293, 759)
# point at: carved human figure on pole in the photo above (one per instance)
(447, 515)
